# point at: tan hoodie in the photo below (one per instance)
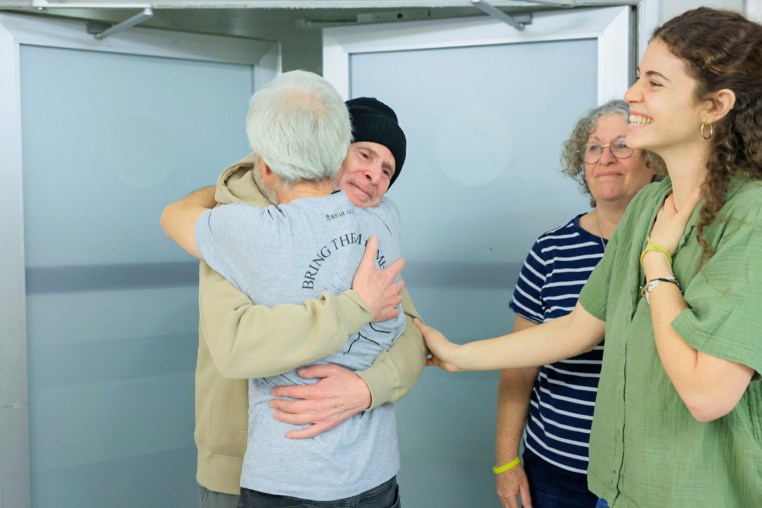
(235, 345)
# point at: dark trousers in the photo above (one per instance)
(385, 495)
(553, 487)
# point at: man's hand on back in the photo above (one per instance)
(336, 397)
(381, 290)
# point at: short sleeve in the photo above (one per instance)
(724, 318)
(390, 239)
(396, 223)
(390, 216)
(228, 234)
(593, 296)
(527, 295)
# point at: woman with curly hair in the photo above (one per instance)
(678, 417)
(555, 402)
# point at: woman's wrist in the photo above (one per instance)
(458, 357)
(656, 264)
(507, 466)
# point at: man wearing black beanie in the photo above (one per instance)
(374, 121)
(375, 157)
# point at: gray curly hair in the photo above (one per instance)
(571, 162)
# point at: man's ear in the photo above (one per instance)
(266, 171)
(719, 104)
(269, 178)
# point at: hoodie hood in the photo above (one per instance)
(236, 184)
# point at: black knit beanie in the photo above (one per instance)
(374, 121)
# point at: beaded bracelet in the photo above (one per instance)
(651, 284)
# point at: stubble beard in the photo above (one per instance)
(267, 192)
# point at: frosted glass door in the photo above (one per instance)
(485, 109)
(108, 138)
(481, 181)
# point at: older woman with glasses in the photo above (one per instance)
(556, 401)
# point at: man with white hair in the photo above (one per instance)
(315, 242)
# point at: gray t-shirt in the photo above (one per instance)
(288, 254)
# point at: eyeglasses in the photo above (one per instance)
(591, 152)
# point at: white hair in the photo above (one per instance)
(299, 126)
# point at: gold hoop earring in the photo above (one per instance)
(711, 132)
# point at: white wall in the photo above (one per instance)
(754, 10)
(671, 8)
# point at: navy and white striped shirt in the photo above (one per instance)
(563, 396)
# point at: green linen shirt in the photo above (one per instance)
(646, 450)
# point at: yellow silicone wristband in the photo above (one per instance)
(654, 247)
(651, 249)
(507, 466)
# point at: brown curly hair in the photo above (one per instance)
(572, 164)
(722, 50)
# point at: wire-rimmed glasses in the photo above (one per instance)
(591, 152)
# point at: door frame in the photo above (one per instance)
(15, 32)
(610, 26)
